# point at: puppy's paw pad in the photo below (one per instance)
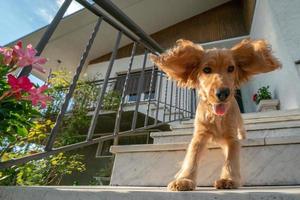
(225, 184)
(182, 184)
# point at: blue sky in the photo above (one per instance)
(21, 17)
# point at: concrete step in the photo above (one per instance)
(145, 193)
(264, 161)
(260, 131)
(259, 125)
(260, 117)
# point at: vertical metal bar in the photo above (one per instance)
(176, 101)
(195, 101)
(179, 104)
(166, 94)
(103, 90)
(47, 35)
(149, 95)
(158, 97)
(191, 103)
(183, 102)
(120, 110)
(72, 87)
(186, 102)
(171, 99)
(140, 86)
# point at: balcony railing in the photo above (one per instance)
(170, 102)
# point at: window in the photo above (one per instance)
(152, 95)
(133, 83)
(132, 97)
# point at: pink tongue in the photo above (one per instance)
(220, 109)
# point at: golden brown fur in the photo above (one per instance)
(185, 63)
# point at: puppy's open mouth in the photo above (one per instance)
(219, 109)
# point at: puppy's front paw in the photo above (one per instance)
(182, 184)
(225, 184)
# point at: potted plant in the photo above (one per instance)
(264, 101)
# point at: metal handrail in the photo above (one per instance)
(116, 12)
(185, 99)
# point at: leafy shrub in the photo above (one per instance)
(263, 93)
(112, 100)
(24, 126)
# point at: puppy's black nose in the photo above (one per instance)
(223, 93)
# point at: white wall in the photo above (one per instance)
(278, 22)
(98, 70)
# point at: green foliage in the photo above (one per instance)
(76, 122)
(15, 115)
(43, 172)
(112, 100)
(263, 93)
(24, 131)
(31, 139)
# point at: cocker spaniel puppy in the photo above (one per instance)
(215, 74)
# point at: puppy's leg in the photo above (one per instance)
(230, 176)
(186, 177)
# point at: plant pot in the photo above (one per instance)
(267, 105)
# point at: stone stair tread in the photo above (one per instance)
(183, 145)
(264, 117)
(188, 130)
(275, 124)
(145, 193)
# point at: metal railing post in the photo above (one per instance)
(186, 102)
(149, 95)
(176, 101)
(166, 93)
(179, 104)
(171, 100)
(103, 90)
(120, 110)
(195, 101)
(140, 86)
(158, 97)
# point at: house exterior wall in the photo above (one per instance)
(278, 22)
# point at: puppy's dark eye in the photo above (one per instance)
(230, 69)
(207, 70)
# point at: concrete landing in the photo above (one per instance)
(146, 193)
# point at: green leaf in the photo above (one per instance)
(1, 59)
(22, 131)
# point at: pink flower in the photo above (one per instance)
(19, 84)
(27, 57)
(7, 53)
(36, 96)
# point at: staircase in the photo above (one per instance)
(269, 157)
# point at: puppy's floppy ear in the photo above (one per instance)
(253, 57)
(181, 62)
